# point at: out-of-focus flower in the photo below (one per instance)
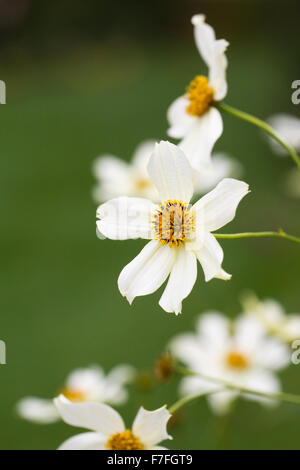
(240, 354)
(287, 127)
(116, 177)
(193, 117)
(271, 315)
(108, 429)
(82, 385)
(179, 234)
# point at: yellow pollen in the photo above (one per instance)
(142, 183)
(173, 223)
(237, 360)
(76, 396)
(200, 95)
(125, 440)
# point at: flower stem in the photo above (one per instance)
(263, 125)
(279, 234)
(283, 397)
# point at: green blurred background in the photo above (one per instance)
(86, 77)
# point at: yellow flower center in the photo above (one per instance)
(200, 95)
(173, 223)
(76, 396)
(236, 360)
(125, 440)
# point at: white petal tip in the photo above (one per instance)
(198, 19)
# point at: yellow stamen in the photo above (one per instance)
(200, 95)
(125, 440)
(76, 396)
(173, 223)
(237, 360)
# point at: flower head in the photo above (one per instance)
(271, 316)
(115, 177)
(180, 234)
(108, 429)
(193, 117)
(82, 385)
(238, 353)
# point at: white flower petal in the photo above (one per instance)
(210, 256)
(182, 279)
(147, 271)
(87, 380)
(198, 143)
(113, 176)
(272, 354)
(171, 172)
(218, 207)
(37, 410)
(196, 385)
(186, 348)
(262, 381)
(142, 155)
(223, 166)
(84, 441)
(213, 53)
(180, 121)
(94, 416)
(122, 374)
(291, 329)
(221, 402)
(124, 218)
(151, 426)
(158, 448)
(214, 328)
(287, 127)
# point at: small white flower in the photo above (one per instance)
(287, 127)
(108, 429)
(273, 318)
(193, 117)
(179, 234)
(118, 178)
(82, 385)
(238, 353)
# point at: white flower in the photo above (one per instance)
(193, 117)
(223, 166)
(82, 385)
(118, 178)
(179, 234)
(238, 353)
(108, 429)
(273, 318)
(287, 127)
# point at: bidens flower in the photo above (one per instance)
(238, 353)
(118, 178)
(193, 117)
(108, 429)
(179, 234)
(271, 315)
(82, 385)
(287, 127)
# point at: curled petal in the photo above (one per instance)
(151, 426)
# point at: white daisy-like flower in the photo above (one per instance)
(82, 385)
(193, 117)
(239, 353)
(287, 127)
(179, 234)
(115, 177)
(273, 317)
(108, 429)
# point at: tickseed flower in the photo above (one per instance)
(193, 117)
(239, 353)
(108, 429)
(179, 233)
(271, 315)
(82, 385)
(116, 177)
(287, 127)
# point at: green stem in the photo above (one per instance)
(263, 125)
(283, 397)
(184, 401)
(279, 234)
